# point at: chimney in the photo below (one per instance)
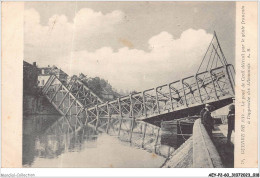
(34, 63)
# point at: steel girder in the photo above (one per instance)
(205, 87)
(123, 117)
(83, 93)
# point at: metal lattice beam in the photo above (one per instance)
(124, 116)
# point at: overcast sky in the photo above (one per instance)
(133, 45)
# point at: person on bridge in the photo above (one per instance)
(202, 113)
(231, 122)
(208, 121)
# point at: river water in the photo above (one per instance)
(45, 144)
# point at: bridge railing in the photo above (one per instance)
(124, 114)
(123, 117)
(195, 90)
(205, 87)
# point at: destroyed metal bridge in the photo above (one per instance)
(136, 118)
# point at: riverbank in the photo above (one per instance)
(34, 104)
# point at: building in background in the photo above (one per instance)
(30, 77)
(33, 101)
(108, 94)
(45, 72)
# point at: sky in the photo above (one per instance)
(133, 45)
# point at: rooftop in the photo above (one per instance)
(43, 71)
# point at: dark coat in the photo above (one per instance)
(202, 114)
(231, 120)
(207, 119)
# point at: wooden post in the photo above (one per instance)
(71, 106)
(157, 136)
(97, 117)
(145, 113)
(86, 122)
(198, 88)
(77, 115)
(120, 114)
(75, 124)
(132, 129)
(109, 117)
(184, 93)
(133, 120)
(169, 151)
(83, 134)
(157, 101)
(170, 93)
(145, 125)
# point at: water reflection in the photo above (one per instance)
(49, 141)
